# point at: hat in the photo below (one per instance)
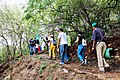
(94, 24)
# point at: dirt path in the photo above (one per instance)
(89, 69)
(39, 67)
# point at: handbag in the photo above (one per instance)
(84, 42)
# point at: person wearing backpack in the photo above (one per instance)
(81, 48)
(100, 46)
(53, 43)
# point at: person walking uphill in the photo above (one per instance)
(53, 43)
(62, 41)
(81, 47)
(98, 43)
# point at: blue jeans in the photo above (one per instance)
(31, 50)
(63, 50)
(36, 50)
(80, 52)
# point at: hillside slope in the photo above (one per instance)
(40, 68)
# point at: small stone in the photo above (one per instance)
(65, 70)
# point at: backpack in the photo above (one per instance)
(84, 43)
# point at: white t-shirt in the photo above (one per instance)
(63, 38)
(49, 42)
(36, 46)
(43, 45)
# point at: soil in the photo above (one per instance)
(39, 67)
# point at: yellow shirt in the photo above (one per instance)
(69, 40)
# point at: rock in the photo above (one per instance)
(9, 77)
(65, 70)
(29, 66)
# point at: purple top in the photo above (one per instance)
(98, 34)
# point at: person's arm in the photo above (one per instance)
(94, 40)
(93, 46)
(77, 39)
(50, 42)
(58, 42)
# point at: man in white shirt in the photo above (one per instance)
(62, 44)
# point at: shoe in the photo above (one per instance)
(82, 62)
(102, 70)
(31, 55)
(107, 69)
(62, 63)
(107, 65)
(85, 61)
(67, 62)
(53, 58)
(49, 58)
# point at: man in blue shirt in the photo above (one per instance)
(98, 43)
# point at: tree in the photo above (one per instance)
(72, 13)
(12, 30)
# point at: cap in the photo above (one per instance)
(94, 24)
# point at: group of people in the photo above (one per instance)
(34, 46)
(63, 44)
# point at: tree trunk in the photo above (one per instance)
(7, 46)
(14, 48)
(20, 46)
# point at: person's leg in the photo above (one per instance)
(31, 51)
(42, 47)
(104, 61)
(99, 56)
(68, 51)
(50, 52)
(62, 53)
(36, 50)
(53, 51)
(80, 47)
(65, 52)
(82, 53)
